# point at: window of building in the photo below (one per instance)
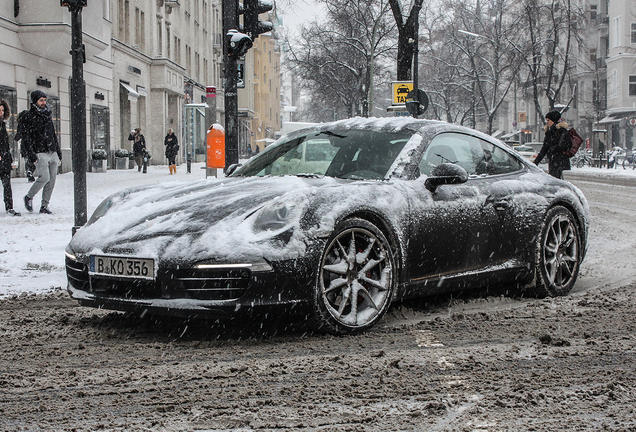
(593, 11)
(100, 127)
(616, 32)
(177, 49)
(159, 39)
(593, 56)
(11, 96)
(188, 60)
(197, 66)
(168, 53)
(613, 83)
(632, 85)
(633, 33)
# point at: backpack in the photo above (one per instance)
(576, 143)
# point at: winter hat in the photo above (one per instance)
(555, 116)
(36, 95)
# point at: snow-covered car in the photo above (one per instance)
(397, 208)
(527, 152)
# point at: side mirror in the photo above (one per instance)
(446, 173)
(230, 170)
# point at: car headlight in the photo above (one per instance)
(70, 254)
(274, 217)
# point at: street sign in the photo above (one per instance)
(401, 89)
(417, 102)
(210, 91)
(632, 121)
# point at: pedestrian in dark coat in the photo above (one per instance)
(172, 150)
(6, 160)
(557, 140)
(139, 147)
(43, 148)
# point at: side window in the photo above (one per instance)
(499, 161)
(463, 150)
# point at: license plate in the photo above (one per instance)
(104, 265)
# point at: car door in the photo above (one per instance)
(451, 230)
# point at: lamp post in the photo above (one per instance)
(78, 111)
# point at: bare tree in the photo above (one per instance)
(553, 30)
(338, 58)
(406, 36)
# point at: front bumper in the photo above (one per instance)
(219, 292)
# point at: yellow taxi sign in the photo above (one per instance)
(400, 90)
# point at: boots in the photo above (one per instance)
(170, 167)
(174, 169)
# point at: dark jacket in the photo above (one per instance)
(139, 145)
(5, 150)
(38, 133)
(172, 145)
(556, 141)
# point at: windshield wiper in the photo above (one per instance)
(308, 175)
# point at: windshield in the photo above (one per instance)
(358, 155)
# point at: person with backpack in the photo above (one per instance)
(42, 148)
(557, 141)
(6, 159)
(29, 167)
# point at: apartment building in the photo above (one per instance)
(146, 62)
(35, 39)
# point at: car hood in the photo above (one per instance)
(211, 218)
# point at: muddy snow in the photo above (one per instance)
(485, 361)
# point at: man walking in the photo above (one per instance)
(42, 148)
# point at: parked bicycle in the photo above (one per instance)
(582, 159)
(629, 161)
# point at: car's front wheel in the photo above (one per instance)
(558, 253)
(356, 279)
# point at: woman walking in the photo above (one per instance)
(557, 140)
(172, 150)
(6, 159)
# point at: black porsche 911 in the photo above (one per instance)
(334, 223)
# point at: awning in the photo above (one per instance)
(609, 119)
(132, 94)
(497, 133)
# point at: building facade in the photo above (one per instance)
(35, 39)
(147, 62)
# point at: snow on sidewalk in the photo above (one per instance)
(32, 246)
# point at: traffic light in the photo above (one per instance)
(73, 4)
(238, 43)
(252, 9)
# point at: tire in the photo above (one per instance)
(580, 163)
(356, 279)
(558, 253)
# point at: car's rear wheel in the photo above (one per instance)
(356, 279)
(558, 253)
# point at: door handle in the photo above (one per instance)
(501, 205)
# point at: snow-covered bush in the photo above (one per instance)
(100, 154)
(121, 153)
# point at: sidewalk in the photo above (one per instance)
(615, 176)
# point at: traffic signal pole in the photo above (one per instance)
(230, 22)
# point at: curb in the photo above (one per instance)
(609, 178)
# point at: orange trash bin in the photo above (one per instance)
(216, 146)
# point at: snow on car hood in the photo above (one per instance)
(227, 219)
